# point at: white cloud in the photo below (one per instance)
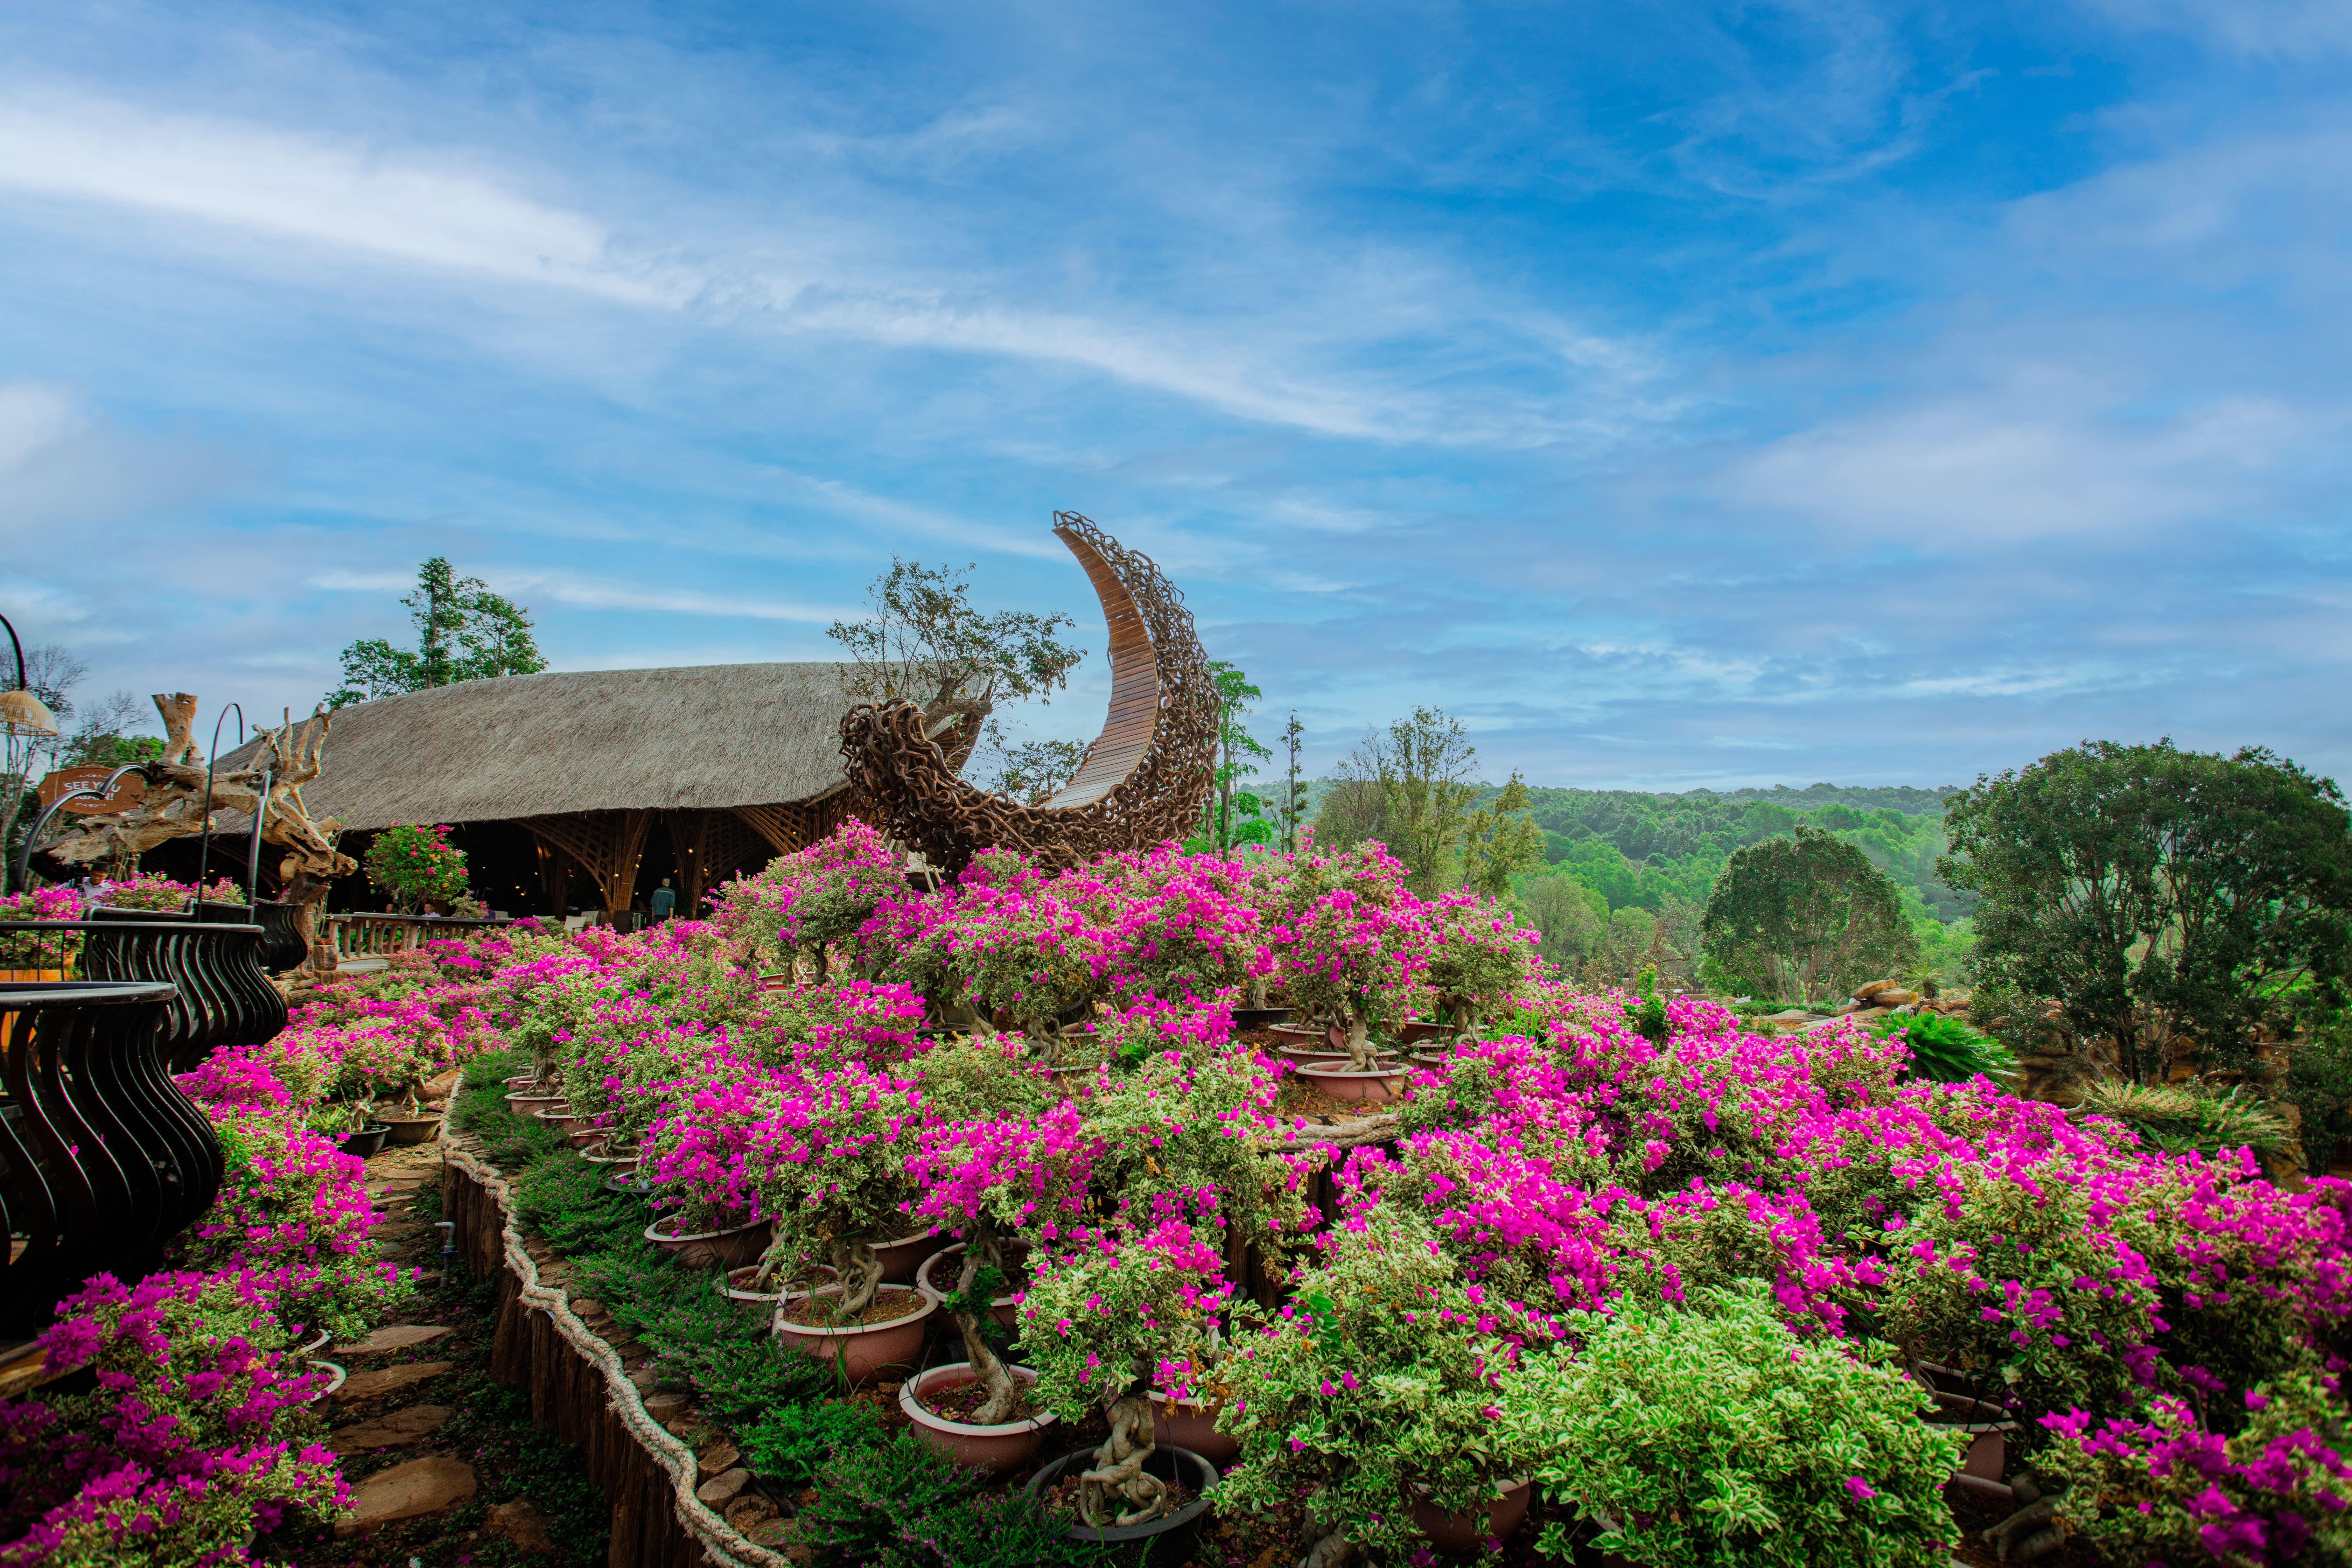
(598, 593)
(2018, 463)
(326, 191)
(447, 210)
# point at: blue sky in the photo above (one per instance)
(1680, 393)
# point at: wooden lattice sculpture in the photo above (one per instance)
(1145, 779)
(174, 806)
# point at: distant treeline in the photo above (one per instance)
(1638, 850)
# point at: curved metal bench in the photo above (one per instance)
(103, 1160)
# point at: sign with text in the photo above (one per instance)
(128, 793)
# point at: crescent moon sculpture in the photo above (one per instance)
(1144, 779)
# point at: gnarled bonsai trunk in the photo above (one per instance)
(980, 1250)
(860, 1272)
(1257, 990)
(1359, 1042)
(1119, 1468)
(1044, 1037)
(961, 1015)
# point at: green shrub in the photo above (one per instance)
(1716, 1438)
(900, 1505)
(2178, 1118)
(2320, 1079)
(792, 1442)
(1945, 1049)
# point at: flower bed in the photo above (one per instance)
(1602, 1245)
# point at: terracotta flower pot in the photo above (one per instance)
(1002, 1449)
(406, 1130)
(1467, 1532)
(317, 1342)
(1340, 1081)
(1169, 1538)
(863, 1350)
(901, 1258)
(736, 1286)
(1192, 1424)
(936, 1278)
(1413, 1029)
(600, 1154)
(1988, 1428)
(730, 1248)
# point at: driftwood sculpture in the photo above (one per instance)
(1144, 780)
(175, 806)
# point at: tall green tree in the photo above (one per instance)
(1293, 809)
(925, 641)
(464, 632)
(1411, 789)
(2159, 895)
(1233, 815)
(1500, 840)
(1805, 916)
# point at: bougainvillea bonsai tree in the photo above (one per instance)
(831, 1164)
(187, 1446)
(1478, 956)
(1355, 961)
(1037, 955)
(1105, 1323)
(807, 901)
(416, 865)
(1381, 1384)
(2160, 1485)
(1714, 1437)
(991, 1181)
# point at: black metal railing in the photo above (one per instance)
(103, 1160)
(224, 998)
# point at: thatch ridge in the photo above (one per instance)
(693, 737)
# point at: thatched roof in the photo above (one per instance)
(700, 737)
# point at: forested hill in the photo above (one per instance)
(1636, 849)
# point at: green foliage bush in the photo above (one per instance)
(792, 1442)
(1716, 1438)
(898, 1504)
(2178, 1118)
(1945, 1049)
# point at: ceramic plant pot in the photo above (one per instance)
(1002, 1449)
(729, 1249)
(1468, 1531)
(937, 1277)
(1340, 1081)
(1169, 1538)
(1191, 1425)
(863, 1350)
(367, 1142)
(1259, 1017)
(901, 1258)
(736, 1286)
(407, 1130)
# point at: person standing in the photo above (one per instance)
(664, 901)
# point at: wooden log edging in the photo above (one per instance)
(579, 1388)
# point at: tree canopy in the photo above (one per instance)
(1805, 916)
(2160, 895)
(464, 632)
(924, 641)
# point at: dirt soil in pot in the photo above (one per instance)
(959, 1403)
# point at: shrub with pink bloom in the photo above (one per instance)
(2160, 1485)
(185, 1432)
